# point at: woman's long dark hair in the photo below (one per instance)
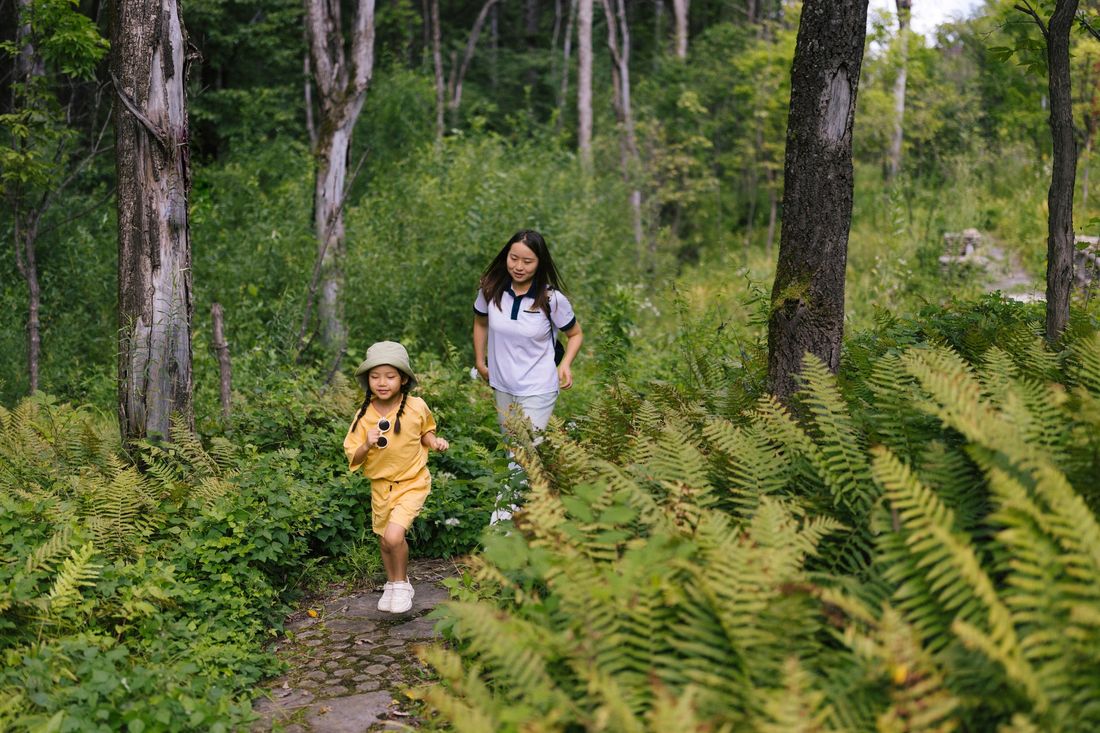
(401, 409)
(495, 280)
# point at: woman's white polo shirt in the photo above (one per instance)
(521, 342)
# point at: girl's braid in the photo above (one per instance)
(362, 410)
(404, 397)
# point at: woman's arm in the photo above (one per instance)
(574, 338)
(481, 341)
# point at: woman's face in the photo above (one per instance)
(522, 263)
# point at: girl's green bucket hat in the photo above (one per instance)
(385, 352)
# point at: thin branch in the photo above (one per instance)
(1026, 9)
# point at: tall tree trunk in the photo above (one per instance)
(154, 246)
(29, 66)
(225, 370)
(904, 12)
(680, 10)
(341, 90)
(437, 65)
(458, 74)
(1060, 194)
(566, 49)
(584, 83)
(618, 42)
(531, 16)
(808, 294)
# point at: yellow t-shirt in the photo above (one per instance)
(405, 456)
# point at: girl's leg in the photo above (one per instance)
(395, 552)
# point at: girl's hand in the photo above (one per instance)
(372, 437)
(440, 444)
(565, 376)
(483, 371)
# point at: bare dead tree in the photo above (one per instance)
(905, 9)
(437, 65)
(458, 75)
(221, 348)
(154, 246)
(680, 10)
(342, 83)
(584, 83)
(618, 42)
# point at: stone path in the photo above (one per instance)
(350, 664)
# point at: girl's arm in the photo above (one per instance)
(574, 339)
(481, 340)
(430, 441)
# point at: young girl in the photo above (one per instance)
(390, 439)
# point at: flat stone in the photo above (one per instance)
(354, 625)
(337, 637)
(375, 669)
(393, 642)
(368, 686)
(316, 674)
(295, 698)
(351, 714)
(314, 642)
(333, 691)
(341, 673)
(384, 659)
(419, 628)
(361, 677)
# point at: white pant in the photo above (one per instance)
(537, 407)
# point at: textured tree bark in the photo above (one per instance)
(808, 294)
(154, 246)
(341, 90)
(584, 83)
(618, 42)
(221, 348)
(680, 10)
(1060, 194)
(904, 12)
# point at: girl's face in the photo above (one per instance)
(522, 263)
(385, 381)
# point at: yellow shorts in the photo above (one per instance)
(398, 501)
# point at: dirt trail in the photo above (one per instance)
(350, 664)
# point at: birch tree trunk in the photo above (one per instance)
(680, 10)
(618, 42)
(342, 84)
(1060, 194)
(808, 294)
(584, 83)
(904, 13)
(458, 75)
(154, 247)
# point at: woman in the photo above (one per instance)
(520, 307)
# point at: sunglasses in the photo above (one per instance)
(383, 427)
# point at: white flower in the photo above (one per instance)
(451, 521)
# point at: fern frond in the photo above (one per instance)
(78, 571)
(43, 557)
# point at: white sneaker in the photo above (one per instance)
(402, 596)
(386, 601)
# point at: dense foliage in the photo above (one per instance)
(912, 546)
(917, 552)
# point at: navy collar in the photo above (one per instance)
(528, 294)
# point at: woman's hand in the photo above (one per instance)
(483, 371)
(565, 376)
(372, 437)
(440, 444)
